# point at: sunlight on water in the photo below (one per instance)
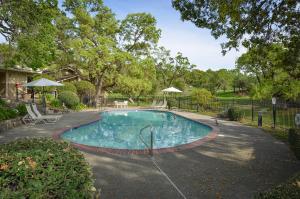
(120, 130)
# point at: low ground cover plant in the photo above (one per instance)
(43, 168)
(288, 190)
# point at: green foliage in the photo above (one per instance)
(230, 95)
(265, 63)
(21, 109)
(49, 97)
(7, 113)
(69, 98)
(251, 18)
(139, 33)
(172, 102)
(43, 168)
(201, 96)
(234, 114)
(287, 190)
(79, 107)
(29, 25)
(171, 69)
(55, 103)
(67, 86)
(2, 103)
(294, 141)
(85, 88)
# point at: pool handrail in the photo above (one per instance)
(150, 149)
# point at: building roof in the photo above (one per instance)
(19, 69)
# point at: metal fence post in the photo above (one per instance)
(274, 111)
(151, 144)
(252, 110)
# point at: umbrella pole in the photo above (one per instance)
(44, 101)
(32, 94)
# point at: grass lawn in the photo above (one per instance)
(230, 95)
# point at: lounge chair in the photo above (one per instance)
(125, 104)
(46, 117)
(163, 105)
(32, 117)
(153, 103)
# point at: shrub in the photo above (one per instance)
(69, 98)
(49, 97)
(43, 168)
(85, 88)
(2, 103)
(294, 141)
(21, 109)
(56, 103)
(172, 102)
(79, 107)
(67, 86)
(7, 113)
(202, 96)
(234, 114)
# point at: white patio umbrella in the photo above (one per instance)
(172, 90)
(43, 82)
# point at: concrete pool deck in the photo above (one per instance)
(239, 162)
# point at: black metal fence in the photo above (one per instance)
(285, 111)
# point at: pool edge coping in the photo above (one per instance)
(211, 136)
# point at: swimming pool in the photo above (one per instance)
(121, 130)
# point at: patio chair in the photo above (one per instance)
(125, 104)
(159, 104)
(31, 117)
(163, 105)
(116, 104)
(51, 118)
(153, 103)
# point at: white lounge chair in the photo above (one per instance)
(125, 104)
(121, 104)
(51, 118)
(31, 117)
(153, 103)
(164, 105)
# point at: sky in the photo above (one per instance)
(178, 36)
(197, 44)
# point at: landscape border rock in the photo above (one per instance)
(8, 124)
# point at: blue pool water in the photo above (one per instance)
(121, 129)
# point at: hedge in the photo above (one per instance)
(69, 98)
(294, 141)
(43, 168)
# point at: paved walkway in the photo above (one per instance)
(239, 162)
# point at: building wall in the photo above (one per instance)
(13, 78)
(2, 84)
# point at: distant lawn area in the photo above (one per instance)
(231, 95)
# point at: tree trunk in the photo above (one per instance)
(99, 86)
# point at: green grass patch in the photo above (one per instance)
(231, 95)
(43, 168)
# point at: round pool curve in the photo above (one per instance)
(122, 130)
